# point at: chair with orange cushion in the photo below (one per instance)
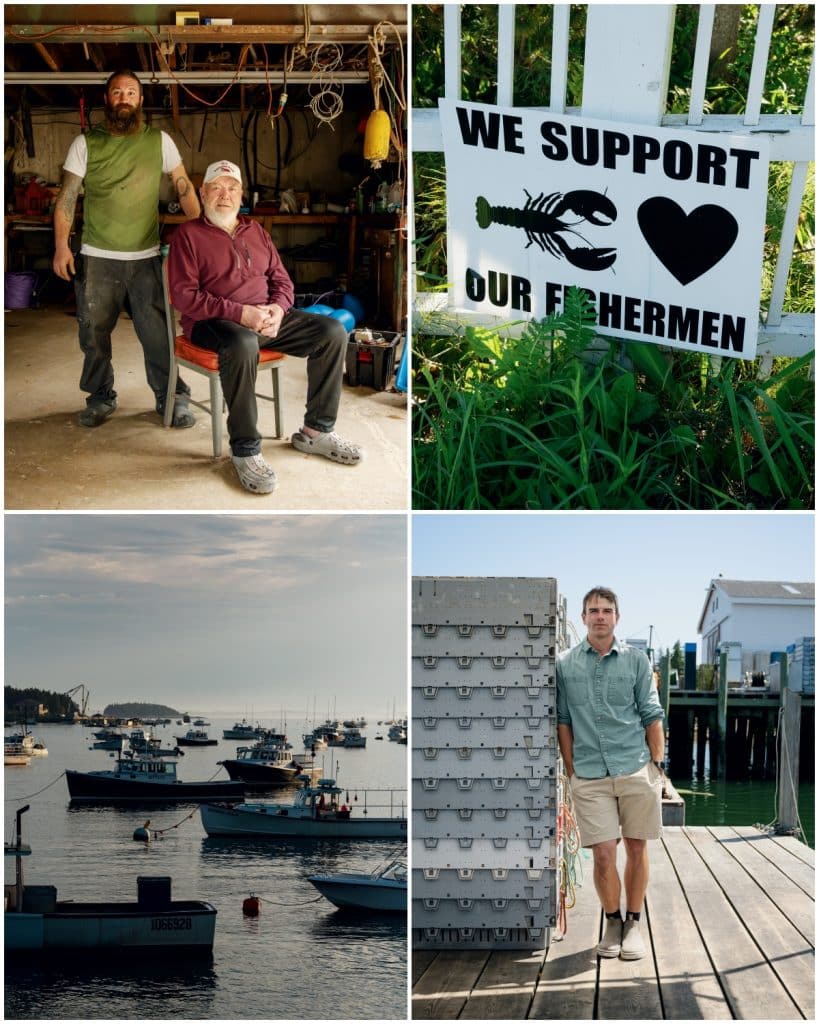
(193, 357)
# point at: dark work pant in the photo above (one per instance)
(321, 339)
(101, 286)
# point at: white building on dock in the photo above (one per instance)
(761, 615)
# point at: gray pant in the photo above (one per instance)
(321, 339)
(101, 287)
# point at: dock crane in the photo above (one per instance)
(85, 696)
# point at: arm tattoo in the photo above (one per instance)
(183, 186)
(67, 199)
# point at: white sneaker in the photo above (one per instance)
(254, 473)
(609, 945)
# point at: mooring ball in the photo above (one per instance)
(251, 906)
(142, 835)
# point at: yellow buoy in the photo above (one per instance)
(377, 137)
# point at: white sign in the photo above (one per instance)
(664, 228)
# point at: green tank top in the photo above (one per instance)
(122, 190)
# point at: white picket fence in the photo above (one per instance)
(625, 78)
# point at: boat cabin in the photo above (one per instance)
(146, 769)
(322, 800)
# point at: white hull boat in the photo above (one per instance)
(384, 890)
(15, 756)
(36, 922)
(317, 813)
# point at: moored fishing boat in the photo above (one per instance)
(142, 742)
(15, 756)
(317, 812)
(243, 731)
(36, 922)
(266, 764)
(353, 737)
(383, 890)
(195, 738)
(142, 778)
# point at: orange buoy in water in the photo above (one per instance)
(251, 906)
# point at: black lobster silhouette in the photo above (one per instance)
(544, 223)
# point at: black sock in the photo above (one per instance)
(632, 915)
(615, 915)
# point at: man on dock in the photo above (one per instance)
(610, 731)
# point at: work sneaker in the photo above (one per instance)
(609, 945)
(330, 445)
(97, 412)
(632, 947)
(254, 473)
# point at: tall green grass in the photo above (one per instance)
(543, 421)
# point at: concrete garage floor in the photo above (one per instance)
(133, 462)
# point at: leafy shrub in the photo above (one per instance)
(542, 421)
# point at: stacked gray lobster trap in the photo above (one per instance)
(484, 761)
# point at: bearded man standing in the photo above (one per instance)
(120, 164)
(229, 283)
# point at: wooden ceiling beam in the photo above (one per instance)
(50, 59)
(96, 56)
(283, 34)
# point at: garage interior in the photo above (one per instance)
(285, 91)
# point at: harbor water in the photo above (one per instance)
(299, 959)
(753, 802)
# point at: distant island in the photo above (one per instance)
(136, 709)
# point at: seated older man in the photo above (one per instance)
(228, 282)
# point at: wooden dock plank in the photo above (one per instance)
(689, 989)
(443, 989)
(797, 848)
(751, 986)
(794, 867)
(628, 989)
(505, 987)
(729, 927)
(786, 950)
(785, 893)
(567, 985)
(421, 959)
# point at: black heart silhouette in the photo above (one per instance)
(687, 245)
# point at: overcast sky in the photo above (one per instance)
(249, 615)
(659, 564)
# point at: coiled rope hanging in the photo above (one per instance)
(326, 94)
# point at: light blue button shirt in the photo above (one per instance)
(608, 701)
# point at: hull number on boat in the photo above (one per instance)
(171, 924)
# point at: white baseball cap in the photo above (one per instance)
(222, 168)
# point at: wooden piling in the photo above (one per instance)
(787, 811)
(722, 714)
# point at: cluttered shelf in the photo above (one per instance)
(373, 244)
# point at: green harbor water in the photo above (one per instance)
(717, 802)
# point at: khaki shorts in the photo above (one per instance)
(602, 807)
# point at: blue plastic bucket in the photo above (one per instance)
(403, 369)
(19, 289)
